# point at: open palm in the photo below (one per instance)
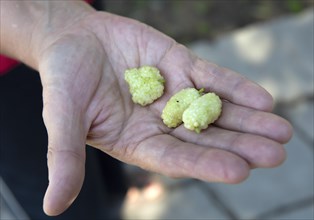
(86, 100)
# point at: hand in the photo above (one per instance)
(86, 100)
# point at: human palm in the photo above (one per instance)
(86, 100)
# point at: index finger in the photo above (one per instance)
(230, 85)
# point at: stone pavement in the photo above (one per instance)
(279, 56)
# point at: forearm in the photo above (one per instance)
(27, 26)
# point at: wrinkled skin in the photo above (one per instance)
(86, 100)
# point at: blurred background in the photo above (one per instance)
(271, 43)
(190, 20)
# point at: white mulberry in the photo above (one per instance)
(145, 84)
(202, 112)
(177, 104)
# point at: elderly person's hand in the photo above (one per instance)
(82, 54)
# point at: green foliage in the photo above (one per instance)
(294, 5)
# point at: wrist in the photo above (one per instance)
(28, 27)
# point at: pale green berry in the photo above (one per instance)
(202, 112)
(145, 84)
(172, 113)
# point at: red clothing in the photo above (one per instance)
(7, 64)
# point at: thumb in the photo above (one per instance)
(66, 156)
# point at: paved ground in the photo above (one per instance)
(279, 56)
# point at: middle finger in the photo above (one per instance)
(243, 119)
(258, 151)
